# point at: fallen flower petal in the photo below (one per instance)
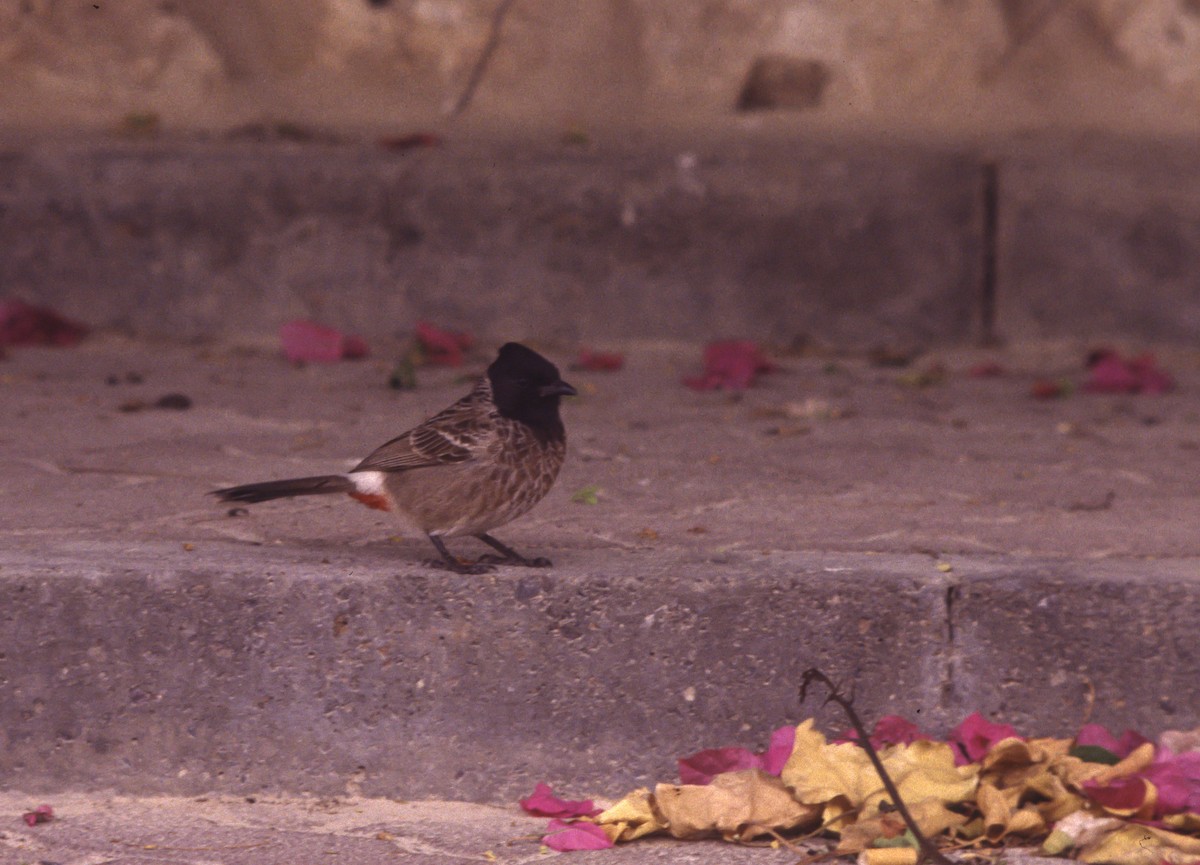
(703, 766)
(600, 361)
(780, 749)
(443, 347)
(986, 369)
(1151, 378)
(306, 341)
(40, 814)
(975, 736)
(1044, 388)
(1096, 735)
(543, 803)
(1177, 777)
(1123, 797)
(731, 364)
(1109, 372)
(563, 836)
(25, 324)
(890, 730)
(700, 768)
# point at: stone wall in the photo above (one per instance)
(938, 65)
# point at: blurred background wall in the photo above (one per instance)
(929, 65)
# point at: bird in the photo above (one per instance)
(477, 465)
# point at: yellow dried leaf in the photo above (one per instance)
(930, 815)
(1038, 775)
(1145, 807)
(1138, 760)
(735, 804)
(631, 818)
(1141, 845)
(1187, 822)
(1078, 830)
(840, 776)
(889, 856)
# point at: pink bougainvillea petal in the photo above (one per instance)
(354, 347)
(1177, 778)
(305, 341)
(40, 814)
(564, 836)
(975, 736)
(543, 803)
(783, 741)
(600, 361)
(1098, 736)
(1109, 372)
(1151, 377)
(703, 766)
(443, 347)
(890, 730)
(986, 369)
(730, 364)
(26, 324)
(1123, 795)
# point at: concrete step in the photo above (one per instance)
(846, 242)
(945, 549)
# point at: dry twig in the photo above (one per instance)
(928, 849)
(485, 56)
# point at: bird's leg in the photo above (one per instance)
(509, 556)
(450, 563)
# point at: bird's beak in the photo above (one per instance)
(559, 388)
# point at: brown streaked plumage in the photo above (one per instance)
(481, 463)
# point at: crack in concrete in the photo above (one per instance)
(947, 690)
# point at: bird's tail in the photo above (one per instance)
(315, 486)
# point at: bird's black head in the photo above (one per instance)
(527, 388)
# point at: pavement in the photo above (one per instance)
(108, 829)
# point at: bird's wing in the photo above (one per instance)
(453, 436)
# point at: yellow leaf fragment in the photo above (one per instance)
(932, 816)
(1186, 822)
(1141, 845)
(1025, 785)
(631, 818)
(889, 856)
(735, 805)
(1138, 760)
(1080, 829)
(1003, 814)
(841, 779)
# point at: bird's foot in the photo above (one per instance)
(509, 556)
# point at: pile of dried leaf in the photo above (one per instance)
(1099, 798)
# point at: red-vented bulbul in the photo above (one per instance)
(481, 463)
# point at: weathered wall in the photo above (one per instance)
(934, 64)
